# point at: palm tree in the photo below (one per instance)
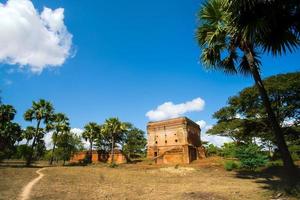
(115, 129)
(59, 124)
(7, 113)
(231, 48)
(90, 133)
(28, 133)
(41, 111)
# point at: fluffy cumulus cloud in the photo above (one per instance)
(169, 110)
(214, 139)
(33, 39)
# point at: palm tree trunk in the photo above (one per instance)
(282, 146)
(29, 159)
(91, 151)
(112, 149)
(53, 148)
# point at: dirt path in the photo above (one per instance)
(27, 189)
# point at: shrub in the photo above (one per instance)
(229, 165)
(295, 151)
(229, 150)
(251, 156)
(212, 150)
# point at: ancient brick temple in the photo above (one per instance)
(174, 141)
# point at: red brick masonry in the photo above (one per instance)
(174, 141)
(99, 156)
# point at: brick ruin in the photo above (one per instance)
(174, 141)
(99, 156)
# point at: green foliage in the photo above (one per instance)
(67, 144)
(91, 132)
(230, 165)
(59, 124)
(230, 34)
(228, 150)
(23, 151)
(134, 143)
(212, 150)
(42, 111)
(251, 156)
(10, 132)
(244, 117)
(294, 148)
(115, 130)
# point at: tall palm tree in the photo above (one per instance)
(41, 111)
(90, 133)
(59, 124)
(7, 113)
(28, 133)
(231, 48)
(115, 129)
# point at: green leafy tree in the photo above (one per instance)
(114, 129)
(41, 111)
(10, 132)
(212, 150)
(68, 143)
(251, 156)
(228, 150)
(23, 151)
(59, 124)
(229, 45)
(134, 143)
(91, 132)
(28, 134)
(244, 119)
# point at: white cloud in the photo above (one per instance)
(201, 123)
(48, 140)
(78, 132)
(169, 110)
(213, 139)
(33, 39)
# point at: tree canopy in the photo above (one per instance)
(244, 118)
(10, 132)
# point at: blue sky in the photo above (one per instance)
(128, 57)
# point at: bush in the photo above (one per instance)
(212, 150)
(275, 163)
(295, 151)
(229, 165)
(251, 156)
(229, 150)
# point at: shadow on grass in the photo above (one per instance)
(20, 164)
(134, 161)
(274, 179)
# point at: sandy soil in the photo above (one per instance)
(205, 179)
(26, 192)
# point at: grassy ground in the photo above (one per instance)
(12, 179)
(201, 180)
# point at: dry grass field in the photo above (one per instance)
(202, 180)
(12, 179)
